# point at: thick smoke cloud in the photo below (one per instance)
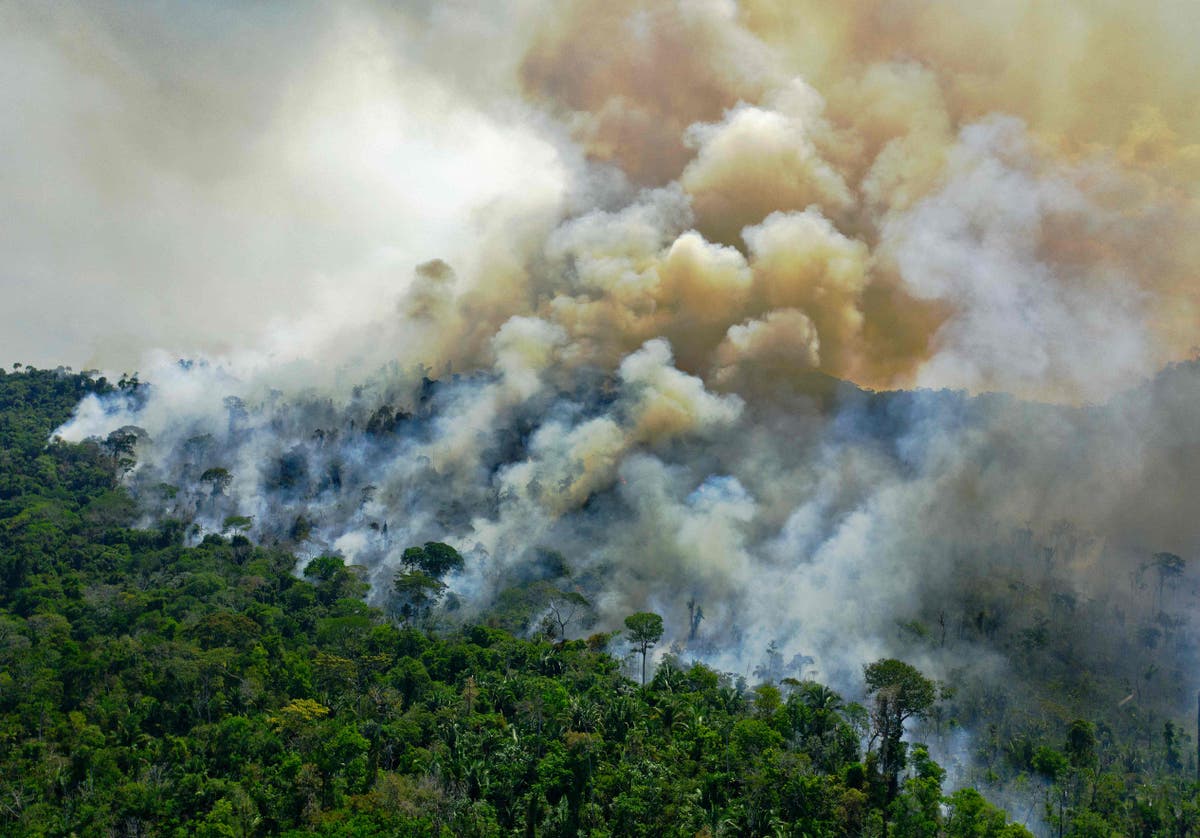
(1020, 318)
(587, 284)
(217, 177)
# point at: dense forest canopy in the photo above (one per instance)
(227, 688)
(554, 417)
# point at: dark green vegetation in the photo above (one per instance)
(147, 688)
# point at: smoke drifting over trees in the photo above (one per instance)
(662, 241)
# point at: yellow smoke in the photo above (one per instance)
(821, 152)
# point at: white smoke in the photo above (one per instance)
(588, 284)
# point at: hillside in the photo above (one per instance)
(604, 417)
(155, 689)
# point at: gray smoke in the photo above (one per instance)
(817, 523)
(593, 277)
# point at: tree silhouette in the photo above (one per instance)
(562, 610)
(1169, 566)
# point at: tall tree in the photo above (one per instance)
(645, 630)
(415, 594)
(901, 692)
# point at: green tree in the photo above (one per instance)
(1054, 767)
(218, 479)
(434, 558)
(970, 816)
(645, 630)
(916, 811)
(415, 594)
(334, 580)
(1081, 745)
(901, 692)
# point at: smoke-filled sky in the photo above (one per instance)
(635, 242)
(993, 196)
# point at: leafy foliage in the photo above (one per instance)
(148, 688)
(645, 630)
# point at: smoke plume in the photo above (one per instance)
(642, 283)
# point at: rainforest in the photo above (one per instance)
(600, 417)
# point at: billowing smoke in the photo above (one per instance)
(665, 237)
